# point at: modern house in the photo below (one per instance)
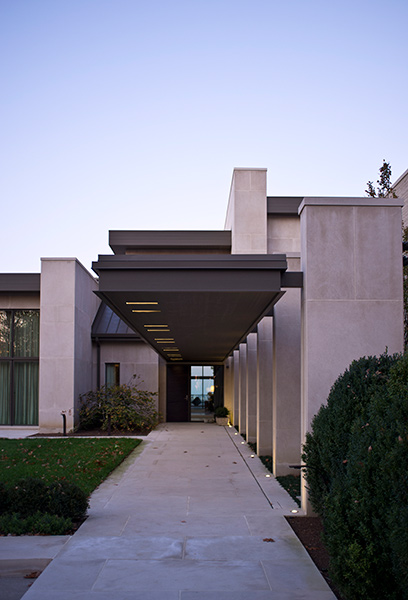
(261, 316)
(400, 188)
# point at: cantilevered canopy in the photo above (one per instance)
(192, 308)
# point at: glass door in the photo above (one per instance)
(202, 386)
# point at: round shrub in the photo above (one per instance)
(67, 500)
(221, 411)
(326, 448)
(364, 500)
(38, 523)
(28, 496)
(5, 499)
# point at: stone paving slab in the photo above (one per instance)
(25, 546)
(185, 518)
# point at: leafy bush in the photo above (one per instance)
(5, 502)
(38, 523)
(326, 449)
(67, 500)
(30, 496)
(364, 482)
(123, 408)
(221, 411)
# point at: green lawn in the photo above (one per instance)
(85, 462)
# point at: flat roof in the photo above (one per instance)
(283, 205)
(123, 242)
(20, 282)
(192, 308)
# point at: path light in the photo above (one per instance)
(267, 475)
(242, 442)
(234, 433)
(252, 455)
(294, 511)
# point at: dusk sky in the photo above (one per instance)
(122, 114)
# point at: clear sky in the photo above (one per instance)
(128, 114)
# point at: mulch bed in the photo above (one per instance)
(309, 531)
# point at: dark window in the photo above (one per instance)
(112, 374)
(19, 353)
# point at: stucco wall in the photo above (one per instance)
(400, 187)
(246, 212)
(283, 234)
(68, 307)
(135, 358)
(86, 306)
(352, 296)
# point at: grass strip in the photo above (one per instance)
(291, 483)
(85, 462)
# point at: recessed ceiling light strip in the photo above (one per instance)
(142, 303)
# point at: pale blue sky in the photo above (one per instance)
(122, 114)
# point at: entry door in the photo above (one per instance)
(178, 399)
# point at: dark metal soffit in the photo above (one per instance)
(202, 305)
(123, 242)
(284, 205)
(20, 282)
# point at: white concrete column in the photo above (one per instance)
(352, 300)
(286, 383)
(235, 413)
(229, 385)
(264, 388)
(162, 376)
(68, 307)
(247, 211)
(251, 388)
(242, 388)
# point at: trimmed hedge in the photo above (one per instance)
(356, 457)
(38, 523)
(31, 496)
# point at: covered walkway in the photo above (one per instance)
(189, 516)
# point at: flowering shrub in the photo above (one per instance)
(121, 407)
(356, 458)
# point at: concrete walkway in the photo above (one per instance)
(189, 516)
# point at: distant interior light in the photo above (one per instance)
(145, 311)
